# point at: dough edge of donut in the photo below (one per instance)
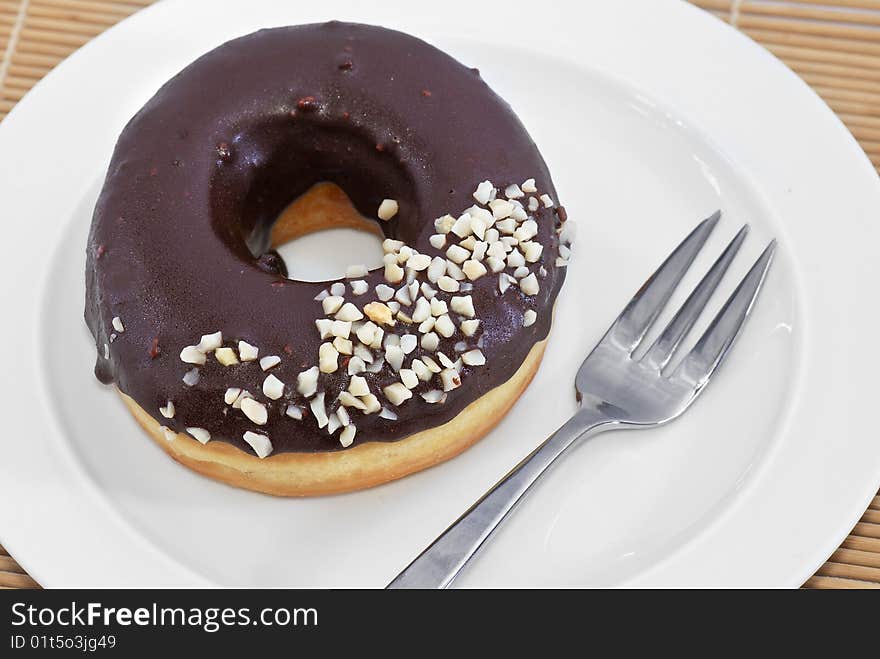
(363, 466)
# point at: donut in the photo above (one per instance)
(298, 388)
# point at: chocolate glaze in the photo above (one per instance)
(179, 236)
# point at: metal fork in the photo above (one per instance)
(615, 390)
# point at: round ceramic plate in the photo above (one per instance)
(651, 115)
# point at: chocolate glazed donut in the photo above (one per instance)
(279, 385)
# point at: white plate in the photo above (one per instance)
(661, 114)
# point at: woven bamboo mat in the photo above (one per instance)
(833, 44)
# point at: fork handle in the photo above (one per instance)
(443, 560)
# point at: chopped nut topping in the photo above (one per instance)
(273, 388)
(473, 358)
(294, 412)
(469, 327)
(356, 365)
(343, 346)
(501, 208)
(438, 241)
(255, 411)
(534, 204)
(117, 324)
(168, 410)
(457, 254)
(473, 269)
(346, 437)
(247, 352)
(529, 285)
(269, 361)
(529, 318)
(495, 264)
(390, 246)
(444, 326)
(358, 386)
(444, 224)
(337, 289)
(367, 332)
(231, 395)
(448, 284)
(514, 192)
(532, 251)
(191, 378)
(418, 262)
(484, 191)
(463, 305)
(307, 382)
(422, 372)
(192, 355)
(507, 226)
(388, 414)
(437, 269)
(244, 394)
(372, 404)
(394, 355)
(526, 231)
(318, 410)
(397, 393)
(515, 259)
(260, 443)
(547, 201)
(393, 273)
(434, 396)
(529, 186)
(408, 343)
(200, 434)
(450, 379)
(349, 313)
(226, 356)
(384, 292)
(430, 341)
(462, 226)
(210, 342)
(402, 296)
(169, 434)
(422, 311)
(332, 304)
(328, 358)
(348, 400)
(379, 313)
(325, 327)
(340, 328)
(363, 353)
(409, 378)
(388, 209)
(438, 307)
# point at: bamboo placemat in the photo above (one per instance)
(833, 44)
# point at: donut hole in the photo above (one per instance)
(287, 177)
(321, 233)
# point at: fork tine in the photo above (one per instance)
(641, 312)
(714, 345)
(664, 347)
